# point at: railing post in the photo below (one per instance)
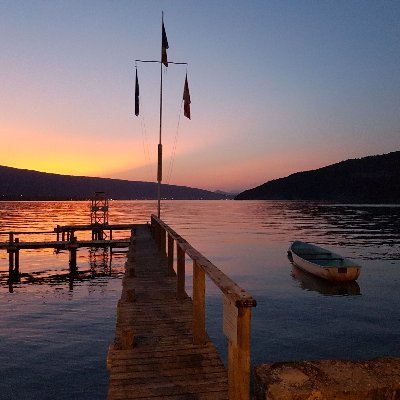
(199, 310)
(180, 269)
(170, 255)
(58, 232)
(239, 358)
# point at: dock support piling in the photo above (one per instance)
(72, 259)
(10, 258)
(16, 261)
(72, 253)
(10, 266)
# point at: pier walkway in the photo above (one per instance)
(161, 349)
(69, 242)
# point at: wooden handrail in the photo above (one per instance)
(237, 305)
(227, 286)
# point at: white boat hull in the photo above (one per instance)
(323, 263)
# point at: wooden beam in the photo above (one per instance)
(63, 245)
(199, 305)
(239, 358)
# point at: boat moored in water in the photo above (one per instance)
(322, 262)
(314, 283)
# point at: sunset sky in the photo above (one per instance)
(276, 87)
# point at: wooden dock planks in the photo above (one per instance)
(163, 362)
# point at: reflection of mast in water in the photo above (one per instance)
(313, 283)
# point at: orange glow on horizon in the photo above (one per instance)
(206, 157)
(70, 155)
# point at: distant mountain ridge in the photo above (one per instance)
(372, 179)
(22, 184)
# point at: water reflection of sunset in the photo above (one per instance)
(248, 241)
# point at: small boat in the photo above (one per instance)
(322, 262)
(327, 288)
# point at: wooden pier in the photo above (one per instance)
(68, 242)
(61, 245)
(161, 349)
(98, 230)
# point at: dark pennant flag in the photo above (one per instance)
(164, 47)
(186, 99)
(136, 96)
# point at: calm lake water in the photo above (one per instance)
(55, 331)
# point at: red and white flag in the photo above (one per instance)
(164, 46)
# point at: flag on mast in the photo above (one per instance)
(164, 46)
(186, 99)
(136, 95)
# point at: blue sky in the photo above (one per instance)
(276, 87)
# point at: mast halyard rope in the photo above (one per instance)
(172, 159)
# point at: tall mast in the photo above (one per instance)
(163, 60)
(159, 166)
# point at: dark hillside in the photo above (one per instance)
(20, 184)
(373, 179)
